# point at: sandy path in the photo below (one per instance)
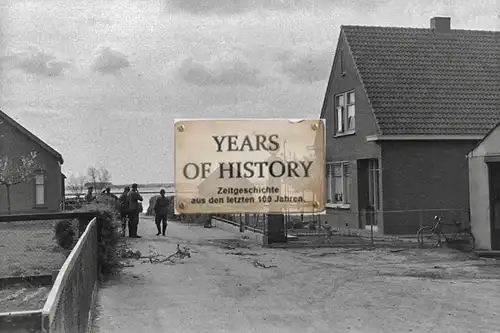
(323, 290)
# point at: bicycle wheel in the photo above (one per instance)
(465, 240)
(427, 237)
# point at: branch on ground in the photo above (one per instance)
(128, 253)
(257, 263)
(240, 253)
(157, 258)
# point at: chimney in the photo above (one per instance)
(441, 24)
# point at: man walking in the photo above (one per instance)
(133, 198)
(161, 208)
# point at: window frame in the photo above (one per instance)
(39, 173)
(344, 109)
(346, 202)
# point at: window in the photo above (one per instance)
(345, 113)
(40, 189)
(351, 111)
(339, 104)
(337, 182)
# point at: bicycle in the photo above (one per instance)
(329, 232)
(435, 235)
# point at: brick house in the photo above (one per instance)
(46, 192)
(403, 108)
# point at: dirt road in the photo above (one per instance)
(224, 288)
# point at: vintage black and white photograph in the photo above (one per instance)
(249, 166)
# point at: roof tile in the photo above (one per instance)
(423, 83)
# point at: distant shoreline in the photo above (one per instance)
(144, 186)
(152, 185)
(145, 192)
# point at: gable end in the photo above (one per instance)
(346, 53)
(31, 136)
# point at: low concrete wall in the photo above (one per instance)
(38, 320)
(256, 237)
(72, 288)
(21, 322)
(233, 227)
(225, 225)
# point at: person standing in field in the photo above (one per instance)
(134, 204)
(107, 192)
(90, 195)
(124, 208)
(160, 209)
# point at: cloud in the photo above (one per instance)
(200, 7)
(33, 60)
(310, 67)
(113, 112)
(229, 7)
(221, 73)
(108, 61)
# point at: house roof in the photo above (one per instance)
(424, 83)
(19, 127)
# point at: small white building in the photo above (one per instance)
(484, 191)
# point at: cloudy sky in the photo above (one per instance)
(102, 81)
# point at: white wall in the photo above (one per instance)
(491, 145)
(479, 202)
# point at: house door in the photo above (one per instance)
(494, 178)
(373, 192)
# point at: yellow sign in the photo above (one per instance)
(249, 166)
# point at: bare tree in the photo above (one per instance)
(98, 178)
(76, 184)
(104, 176)
(93, 175)
(14, 171)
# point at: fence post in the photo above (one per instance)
(45, 323)
(371, 228)
(264, 217)
(83, 221)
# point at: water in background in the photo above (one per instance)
(147, 193)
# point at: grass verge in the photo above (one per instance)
(28, 248)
